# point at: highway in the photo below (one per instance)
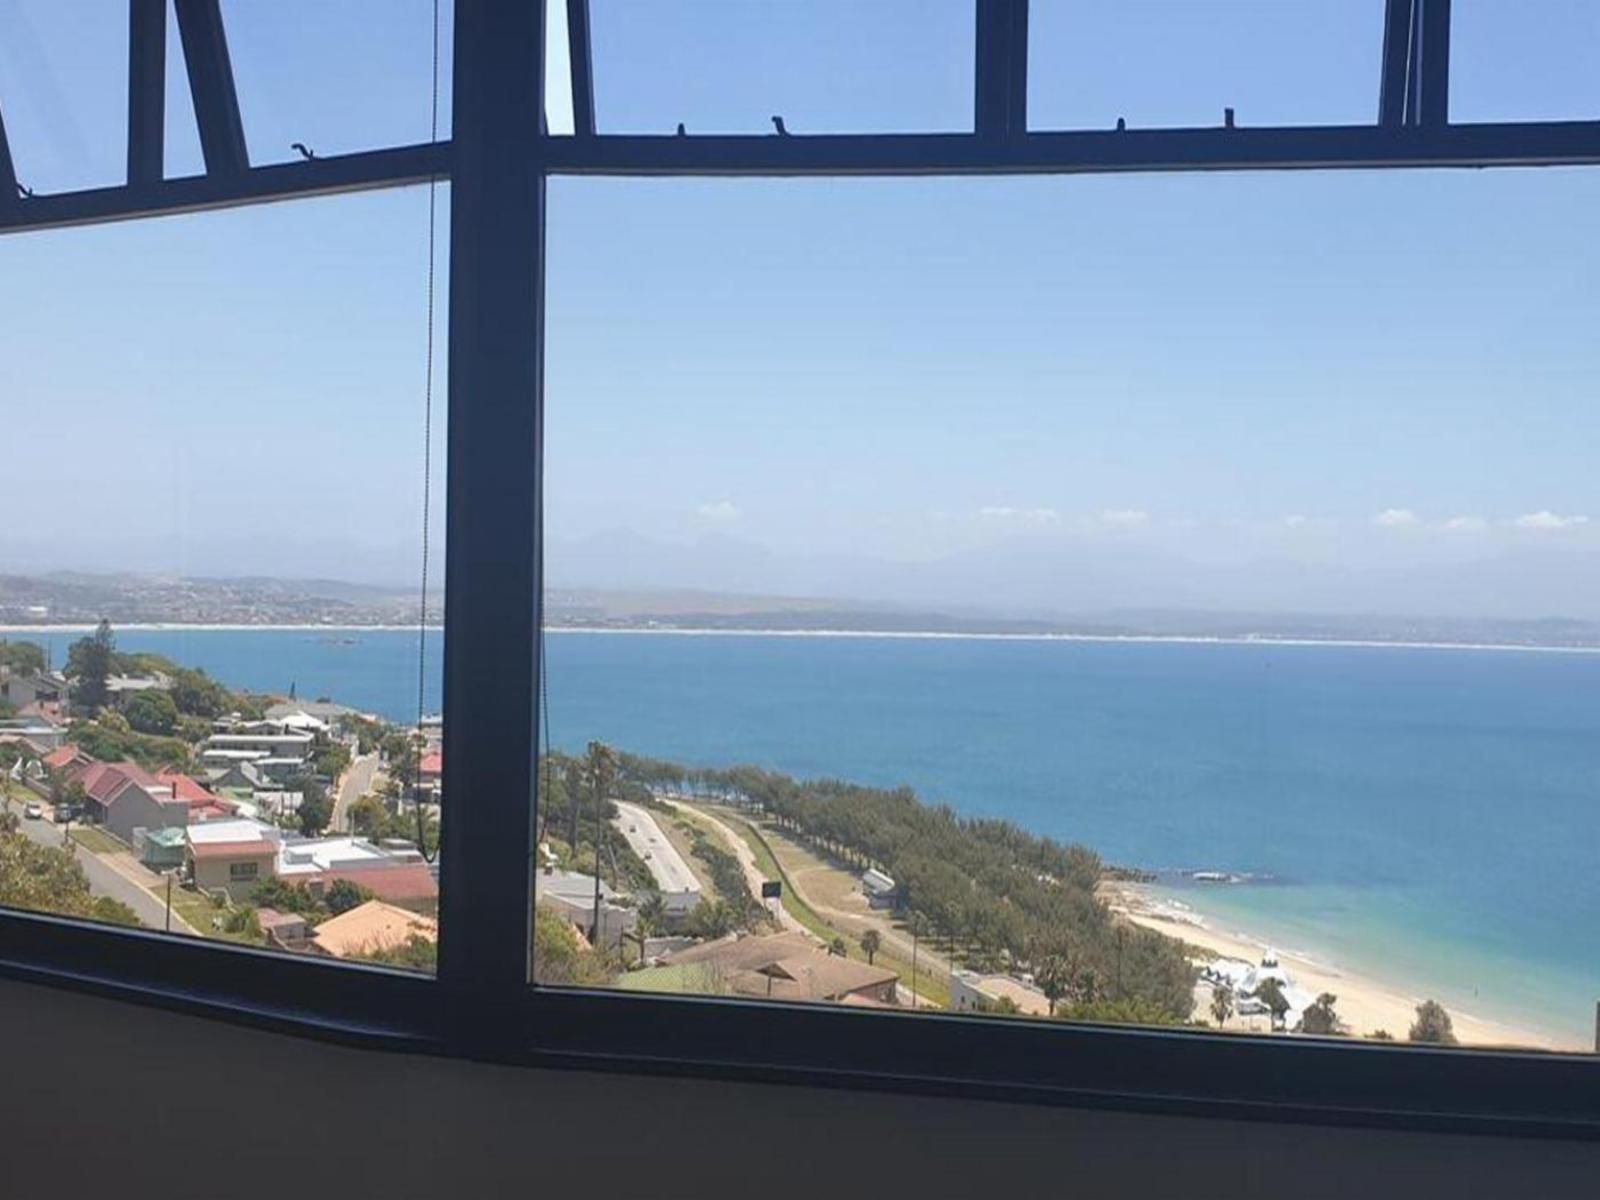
(671, 873)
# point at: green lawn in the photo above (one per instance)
(97, 841)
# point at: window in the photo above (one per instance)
(1165, 63)
(227, 417)
(901, 627)
(722, 66)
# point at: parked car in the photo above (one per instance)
(33, 811)
(65, 813)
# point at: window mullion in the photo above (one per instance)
(492, 583)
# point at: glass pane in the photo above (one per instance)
(1537, 60)
(64, 92)
(337, 75)
(240, 737)
(1154, 525)
(1176, 63)
(829, 66)
(557, 70)
(182, 146)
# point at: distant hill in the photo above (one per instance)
(82, 598)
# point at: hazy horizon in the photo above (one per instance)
(1257, 391)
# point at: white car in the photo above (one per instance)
(33, 811)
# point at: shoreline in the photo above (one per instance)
(865, 634)
(1366, 1003)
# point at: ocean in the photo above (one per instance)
(1430, 816)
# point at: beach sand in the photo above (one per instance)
(1365, 1004)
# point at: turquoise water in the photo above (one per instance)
(1431, 815)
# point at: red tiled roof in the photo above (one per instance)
(65, 756)
(101, 781)
(200, 813)
(183, 788)
(399, 884)
(257, 849)
(432, 763)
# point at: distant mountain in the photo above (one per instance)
(73, 597)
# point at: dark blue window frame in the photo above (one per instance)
(481, 1005)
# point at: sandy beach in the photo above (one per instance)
(1365, 1004)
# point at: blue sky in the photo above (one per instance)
(1330, 390)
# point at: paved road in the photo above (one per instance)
(103, 880)
(671, 873)
(354, 784)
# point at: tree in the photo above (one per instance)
(652, 914)
(313, 813)
(1320, 1018)
(1433, 1025)
(47, 879)
(711, 919)
(343, 895)
(560, 957)
(1053, 977)
(1270, 993)
(89, 661)
(870, 944)
(1221, 1003)
(24, 658)
(837, 948)
(152, 711)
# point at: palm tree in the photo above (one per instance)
(1053, 976)
(870, 941)
(1221, 1003)
(652, 914)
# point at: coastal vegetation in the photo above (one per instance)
(1433, 1025)
(996, 896)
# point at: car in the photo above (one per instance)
(65, 813)
(33, 811)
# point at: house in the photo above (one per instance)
(572, 895)
(877, 887)
(204, 805)
(65, 758)
(286, 931)
(122, 688)
(43, 733)
(398, 876)
(787, 966)
(162, 849)
(371, 927)
(324, 712)
(236, 775)
(971, 992)
(124, 797)
(231, 856)
(430, 773)
(46, 691)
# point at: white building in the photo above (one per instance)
(572, 895)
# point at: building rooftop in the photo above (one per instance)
(370, 927)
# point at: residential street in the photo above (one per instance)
(103, 880)
(353, 784)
